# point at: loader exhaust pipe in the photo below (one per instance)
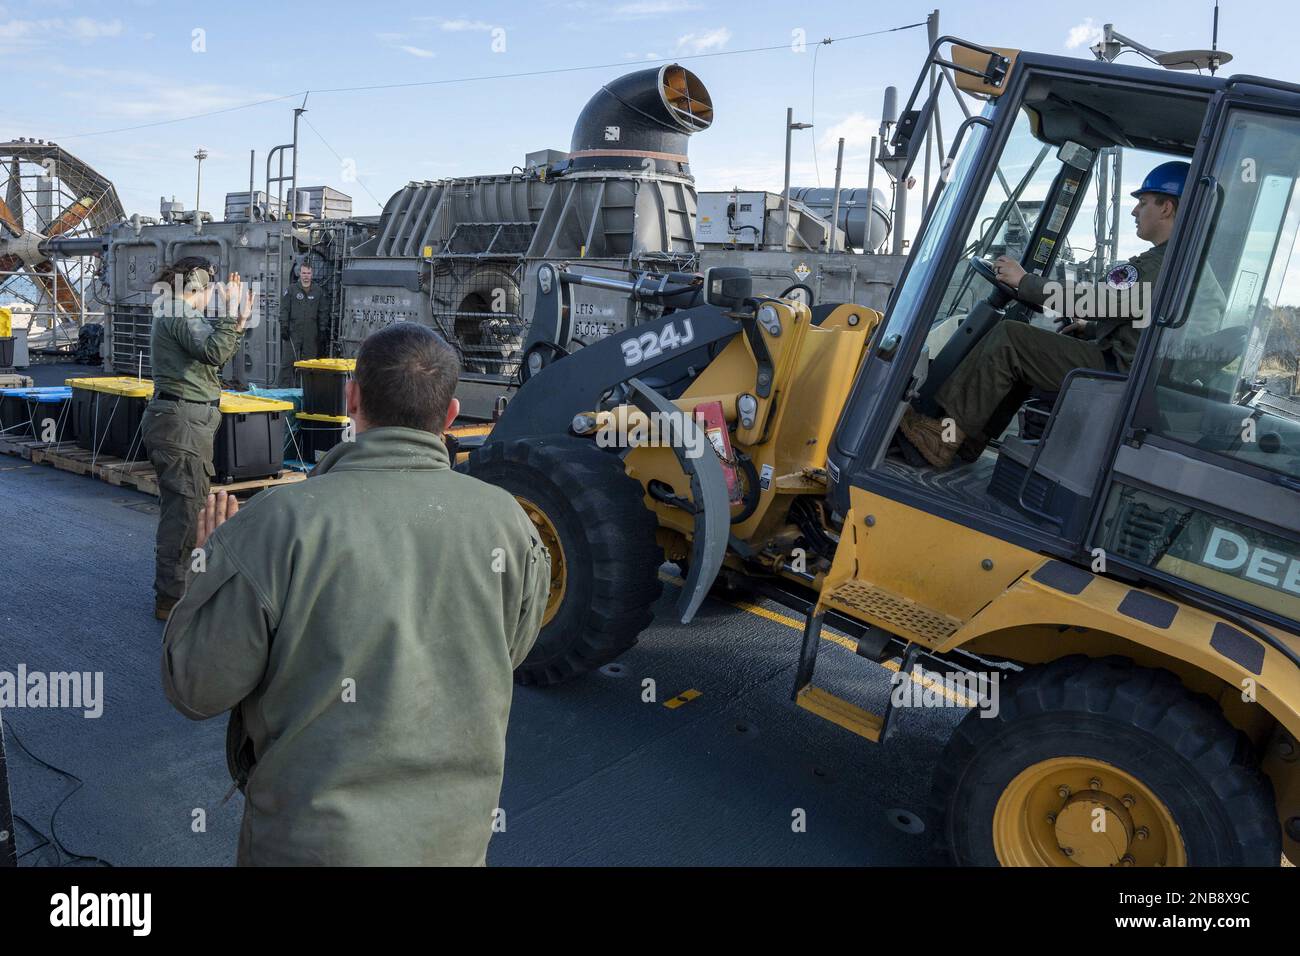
(641, 118)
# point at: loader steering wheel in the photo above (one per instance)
(985, 270)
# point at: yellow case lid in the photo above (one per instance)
(122, 385)
(336, 419)
(241, 403)
(328, 365)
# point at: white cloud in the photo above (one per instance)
(857, 130)
(1083, 34)
(703, 42)
(19, 34)
(417, 51)
(651, 8)
(631, 10)
(141, 95)
(165, 102)
(461, 26)
(84, 28)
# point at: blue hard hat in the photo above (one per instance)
(1168, 178)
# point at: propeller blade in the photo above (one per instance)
(71, 218)
(8, 219)
(14, 195)
(9, 264)
(67, 299)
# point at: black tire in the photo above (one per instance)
(1141, 720)
(607, 536)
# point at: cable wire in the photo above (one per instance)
(475, 79)
(54, 840)
(812, 110)
(361, 181)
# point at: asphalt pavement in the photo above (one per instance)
(595, 773)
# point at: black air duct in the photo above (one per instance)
(648, 114)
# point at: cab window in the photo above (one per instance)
(1226, 375)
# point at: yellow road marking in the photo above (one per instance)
(847, 643)
(918, 678)
(684, 697)
(844, 642)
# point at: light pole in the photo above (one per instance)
(790, 127)
(201, 155)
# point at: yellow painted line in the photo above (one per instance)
(919, 678)
(465, 431)
(774, 616)
(844, 642)
(794, 623)
(685, 697)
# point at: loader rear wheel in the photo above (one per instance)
(1099, 762)
(604, 560)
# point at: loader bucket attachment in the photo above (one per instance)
(708, 491)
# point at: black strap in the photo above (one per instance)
(169, 397)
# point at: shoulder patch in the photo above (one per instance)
(1122, 276)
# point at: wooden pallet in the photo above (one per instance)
(23, 447)
(140, 475)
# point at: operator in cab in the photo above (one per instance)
(1015, 356)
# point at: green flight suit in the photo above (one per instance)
(1015, 356)
(304, 325)
(187, 354)
(364, 626)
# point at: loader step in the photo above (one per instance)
(839, 711)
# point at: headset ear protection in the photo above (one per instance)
(198, 278)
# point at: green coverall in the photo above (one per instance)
(364, 626)
(187, 355)
(304, 326)
(1015, 356)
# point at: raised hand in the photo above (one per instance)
(239, 300)
(216, 511)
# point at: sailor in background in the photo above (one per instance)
(304, 323)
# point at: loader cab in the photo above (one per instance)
(1184, 468)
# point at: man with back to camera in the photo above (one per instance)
(356, 627)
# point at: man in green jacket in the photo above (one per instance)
(1015, 356)
(364, 626)
(187, 354)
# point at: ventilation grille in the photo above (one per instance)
(1144, 534)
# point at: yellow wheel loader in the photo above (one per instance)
(1123, 556)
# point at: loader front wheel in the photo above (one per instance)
(1100, 762)
(604, 560)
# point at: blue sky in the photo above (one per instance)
(77, 68)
